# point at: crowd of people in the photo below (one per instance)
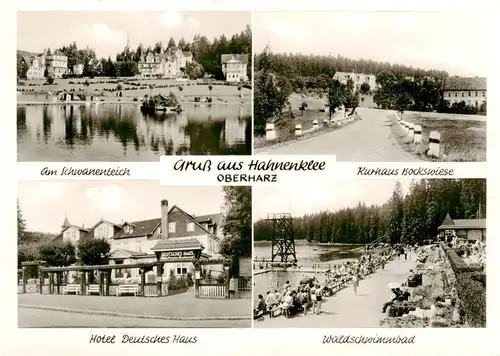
(310, 292)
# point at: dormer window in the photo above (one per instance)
(128, 229)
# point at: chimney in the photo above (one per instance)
(164, 219)
(83, 226)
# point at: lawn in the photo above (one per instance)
(463, 137)
(135, 88)
(285, 126)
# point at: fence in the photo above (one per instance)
(245, 287)
(217, 291)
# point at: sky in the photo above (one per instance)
(45, 204)
(455, 42)
(317, 198)
(106, 32)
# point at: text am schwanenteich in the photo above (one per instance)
(98, 172)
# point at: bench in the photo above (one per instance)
(127, 289)
(93, 288)
(71, 288)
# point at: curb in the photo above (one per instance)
(137, 316)
(306, 134)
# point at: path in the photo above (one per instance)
(344, 309)
(179, 306)
(33, 318)
(366, 140)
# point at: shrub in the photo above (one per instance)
(472, 294)
(457, 264)
(189, 279)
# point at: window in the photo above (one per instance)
(181, 269)
(476, 93)
(463, 94)
(171, 226)
(456, 94)
(190, 227)
(449, 93)
(484, 94)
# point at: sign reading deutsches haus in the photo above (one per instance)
(174, 255)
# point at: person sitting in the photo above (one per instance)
(287, 305)
(277, 296)
(398, 296)
(270, 299)
(261, 307)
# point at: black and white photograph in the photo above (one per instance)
(371, 254)
(371, 86)
(132, 86)
(133, 254)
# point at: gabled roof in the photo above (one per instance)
(461, 83)
(459, 224)
(353, 73)
(141, 228)
(65, 222)
(178, 245)
(81, 228)
(209, 218)
(224, 58)
(190, 217)
(123, 253)
(106, 221)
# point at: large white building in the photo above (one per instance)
(472, 91)
(169, 64)
(234, 67)
(357, 78)
(57, 64)
(36, 66)
(134, 242)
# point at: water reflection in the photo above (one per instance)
(109, 132)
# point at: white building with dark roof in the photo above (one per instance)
(357, 78)
(234, 67)
(470, 90)
(467, 229)
(170, 63)
(134, 242)
(36, 66)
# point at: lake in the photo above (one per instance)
(310, 253)
(121, 132)
(306, 254)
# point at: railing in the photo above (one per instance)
(244, 284)
(212, 291)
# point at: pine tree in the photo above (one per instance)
(21, 224)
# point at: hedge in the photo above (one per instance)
(471, 288)
(457, 264)
(472, 293)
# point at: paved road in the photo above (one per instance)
(183, 305)
(366, 140)
(34, 318)
(344, 309)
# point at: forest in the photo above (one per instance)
(206, 53)
(413, 217)
(315, 71)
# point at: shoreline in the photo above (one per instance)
(114, 102)
(304, 242)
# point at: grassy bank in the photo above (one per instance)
(285, 125)
(134, 88)
(463, 137)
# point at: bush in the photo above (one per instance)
(472, 294)
(457, 264)
(189, 279)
